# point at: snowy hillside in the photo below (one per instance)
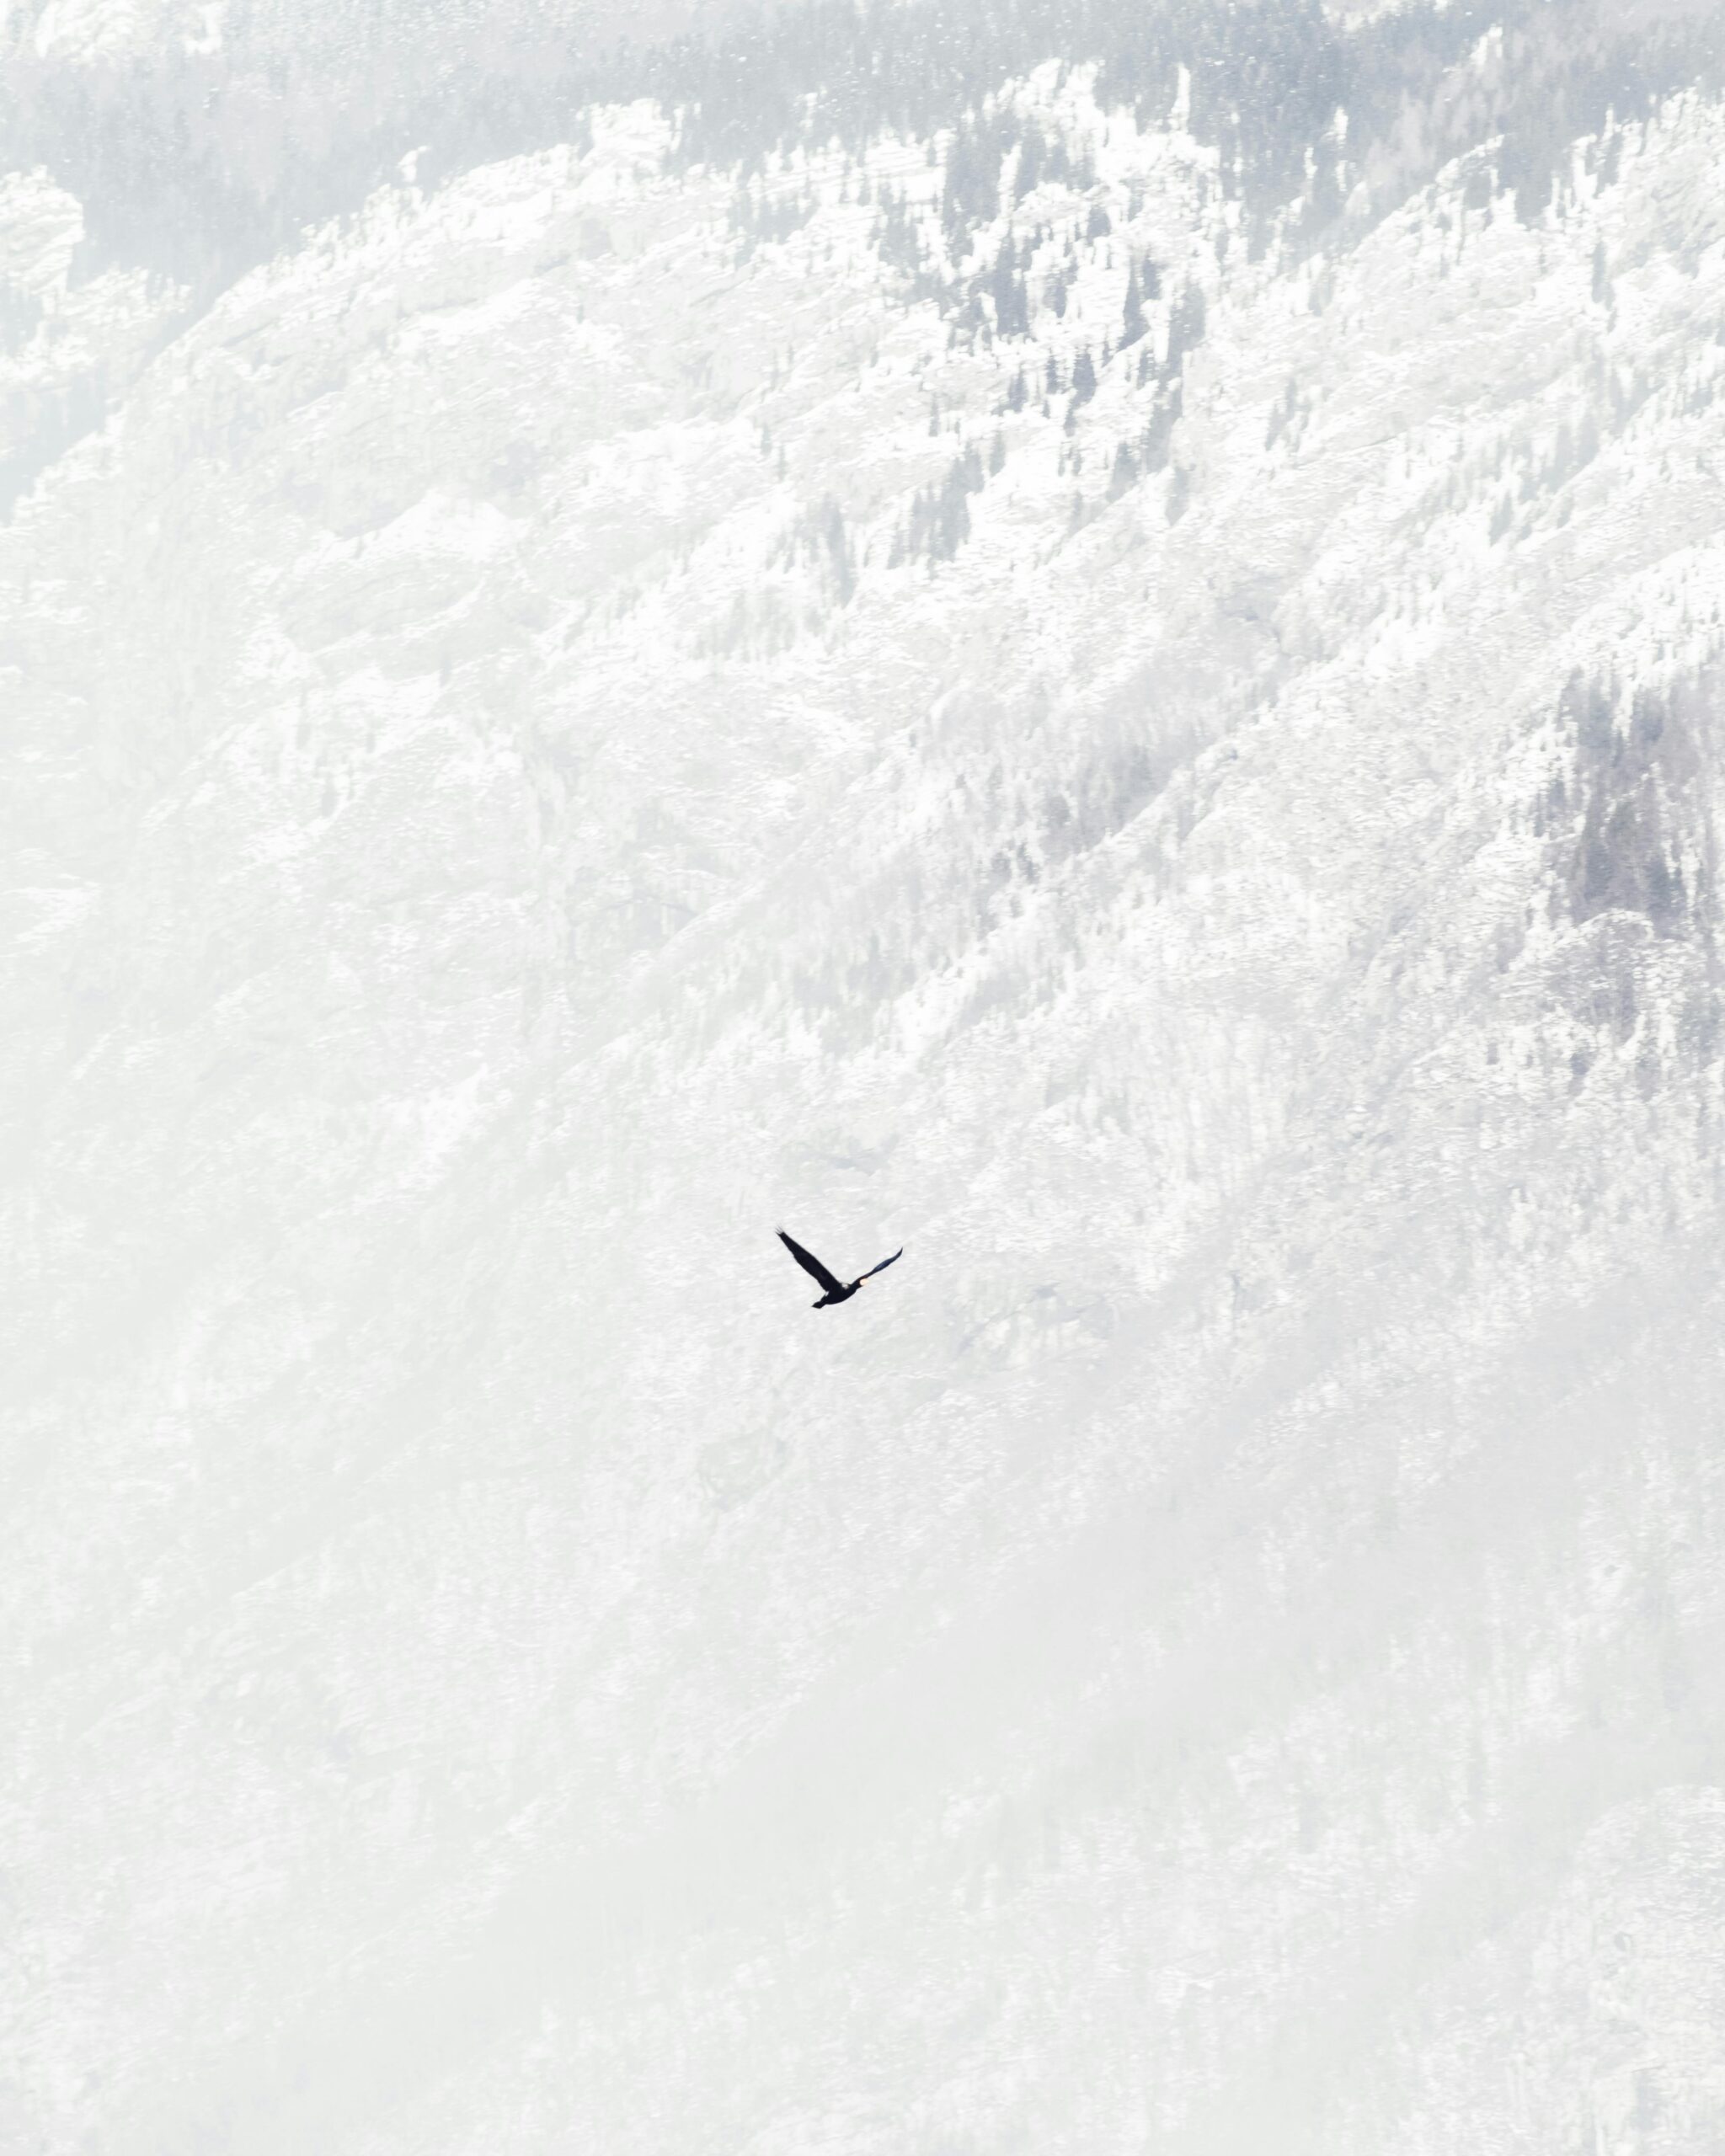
(1000, 687)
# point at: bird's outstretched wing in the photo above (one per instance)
(809, 1263)
(883, 1264)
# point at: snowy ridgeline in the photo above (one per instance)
(976, 692)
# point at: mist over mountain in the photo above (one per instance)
(1087, 638)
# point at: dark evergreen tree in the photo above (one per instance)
(1133, 324)
(1186, 326)
(1012, 304)
(972, 193)
(939, 522)
(1153, 448)
(897, 237)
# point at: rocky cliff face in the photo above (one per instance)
(981, 689)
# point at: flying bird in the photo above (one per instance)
(836, 1291)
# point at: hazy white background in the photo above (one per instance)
(570, 695)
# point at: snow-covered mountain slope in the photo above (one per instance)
(110, 31)
(574, 719)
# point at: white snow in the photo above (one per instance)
(1220, 1647)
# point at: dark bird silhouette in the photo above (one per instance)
(836, 1291)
